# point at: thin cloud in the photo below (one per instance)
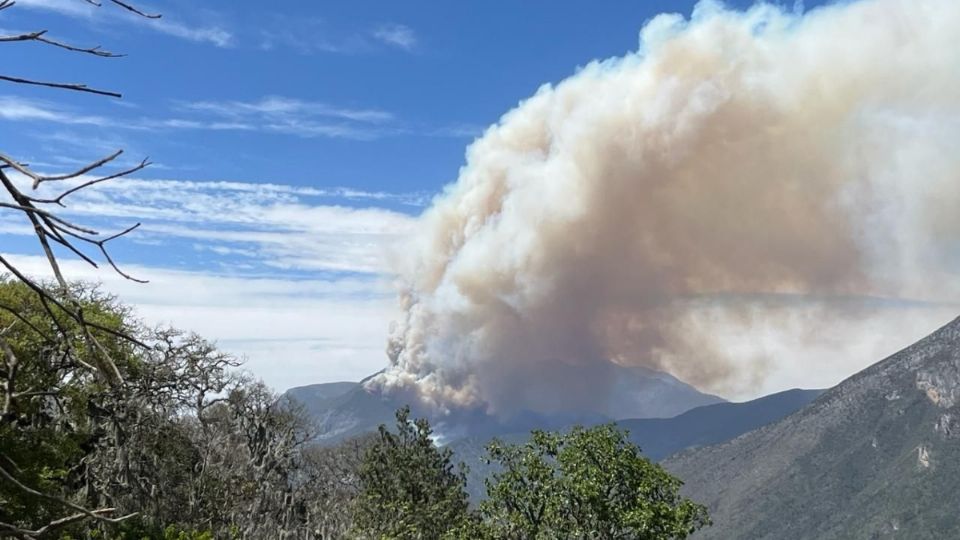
(396, 35)
(310, 35)
(291, 116)
(268, 270)
(329, 328)
(457, 130)
(273, 114)
(213, 34)
(280, 106)
(264, 225)
(23, 109)
(182, 123)
(315, 35)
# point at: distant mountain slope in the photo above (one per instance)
(712, 424)
(878, 456)
(660, 437)
(644, 393)
(342, 410)
(318, 397)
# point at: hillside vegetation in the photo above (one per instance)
(874, 457)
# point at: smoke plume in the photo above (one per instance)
(741, 171)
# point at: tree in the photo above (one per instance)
(113, 429)
(38, 198)
(331, 484)
(52, 404)
(409, 488)
(187, 444)
(589, 483)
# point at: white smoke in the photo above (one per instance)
(742, 171)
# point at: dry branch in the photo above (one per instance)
(40, 37)
(133, 9)
(63, 86)
(57, 301)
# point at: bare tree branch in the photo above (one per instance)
(16, 313)
(43, 212)
(57, 200)
(55, 524)
(133, 9)
(50, 226)
(13, 364)
(72, 340)
(40, 37)
(94, 514)
(39, 178)
(65, 86)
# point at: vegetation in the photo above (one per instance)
(409, 487)
(588, 483)
(70, 421)
(187, 445)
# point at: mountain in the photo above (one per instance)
(712, 424)
(660, 437)
(877, 456)
(344, 409)
(319, 397)
(645, 393)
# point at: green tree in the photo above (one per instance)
(588, 483)
(50, 398)
(409, 488)
(185, 447)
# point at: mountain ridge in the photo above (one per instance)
(869, 458)
(712, 424)
(343, 409)
(659, 437)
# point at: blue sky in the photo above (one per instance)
(292, 141)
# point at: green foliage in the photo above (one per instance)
(193, 448)
(45, 425)
(173, 533)
(137, 529)
(409, 487)
(589, 483)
